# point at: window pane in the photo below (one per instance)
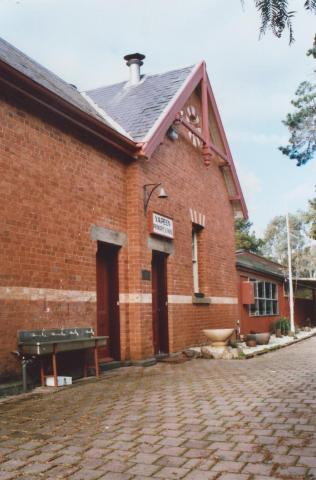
(275, 307)
(195, 266)
(266, 298)
(254, 308)
(269, 307)
(193, 246)
(262, 307)
(268, 289)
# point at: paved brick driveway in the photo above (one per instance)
(203, 419)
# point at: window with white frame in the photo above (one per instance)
(195, 263)
(266, 299)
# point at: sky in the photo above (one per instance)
(84, 41)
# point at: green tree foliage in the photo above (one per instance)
(245, 239)
(311, 218)
(277, 15)
(312, 51)
(302, 125)
(303, 250)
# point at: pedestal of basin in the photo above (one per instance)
(219, 337)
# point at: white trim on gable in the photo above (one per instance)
(170, 105)
(106, 117)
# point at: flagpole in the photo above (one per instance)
(289, 255)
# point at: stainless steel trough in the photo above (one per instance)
(53, 341)
(42, 342)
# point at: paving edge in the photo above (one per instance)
(246, 356)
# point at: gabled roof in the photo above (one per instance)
(146, 110)
(132, 119)
(39, 74)
(136, 108)
(255, 263)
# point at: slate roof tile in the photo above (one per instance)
(136, 108)
(44, 77)
(258, 264)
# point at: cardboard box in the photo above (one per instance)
(61, 381)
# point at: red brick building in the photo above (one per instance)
(263, 294)
(79, 245)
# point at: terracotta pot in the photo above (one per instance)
(251, 342)
(262, 338)
(251, 336)
(278, 333)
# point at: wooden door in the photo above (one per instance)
(159, 303)
(107, 300)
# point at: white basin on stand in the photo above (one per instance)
(219, 336)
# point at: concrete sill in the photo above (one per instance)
(201, 300)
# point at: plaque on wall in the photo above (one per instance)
(161, 225)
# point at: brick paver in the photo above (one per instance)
(199, 420)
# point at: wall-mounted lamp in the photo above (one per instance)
(149, 191)
(172, 133)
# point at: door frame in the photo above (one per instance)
(160, 321)
(107, 272)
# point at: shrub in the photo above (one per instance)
(285, 325)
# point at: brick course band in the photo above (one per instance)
(186, 299)
(135, 297)
(48, 294)
(55, 295)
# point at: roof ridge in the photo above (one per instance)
(143, 77)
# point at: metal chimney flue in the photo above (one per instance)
(134, 61)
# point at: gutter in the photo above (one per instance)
(32, 90)
(258, 271)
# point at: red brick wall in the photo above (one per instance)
(55, 184)
(303, 309)
(53, 188)
(190, 185)
(262, 323)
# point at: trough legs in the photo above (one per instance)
(55, 366)
(24, 374)
(96, 359)
(42, 372)
(85, 366)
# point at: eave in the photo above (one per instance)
(262, 272)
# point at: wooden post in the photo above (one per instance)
(42, 372)
(96, 359)
(55, 366)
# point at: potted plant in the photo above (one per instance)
(285, 325)
(278, 328)
(251, 342)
